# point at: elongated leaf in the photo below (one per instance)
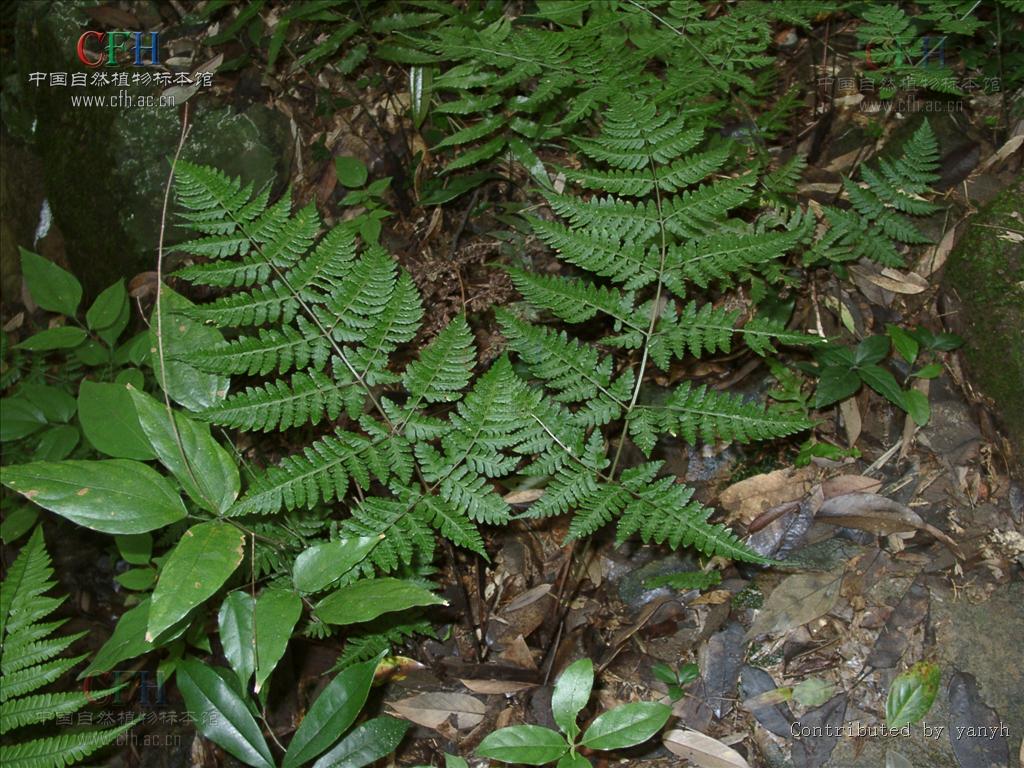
(626, 725)
(204, 468)
(912, 694)
(109, 421)
(366, 744)
(529, 744)
(182, 336)
(115, 496)
(129, 640)
(370, 598)
(884, 383)
(703, 751)
(108, 307)
(64, 337)
(221, 715)
(572, 691)
(52, 288)
(235, 622)
(334, 710)
(319, 566)
(277, 610)
(198, 566)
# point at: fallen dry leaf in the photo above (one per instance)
(528, 496)
(877, 514)
(935, 258)
(891, 279)
(748, 498)
(702, 750)
(432, 709)
(798, 599)
(503, 687)
(840, 485)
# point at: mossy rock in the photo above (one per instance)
(985, 276)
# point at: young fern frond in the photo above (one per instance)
(31, 658)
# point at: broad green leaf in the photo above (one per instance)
(529, 744)
(235, 623)
(946, 342)
(351, 171)
(929, 371)
(138, 579)
(221, 715)
(836, 383)
(366, 744)
(136, 549)
(110, 423)
(108, 306)
(323, 564)
(905, 344)
(17, 521)
(183, 335)
(334, 710)
(871, 350)
(688, 673)
(813, 692)
(64, 337)
(571, 694)
(57, 443)
(114, 496)
(370, 598)
(196, 568)
(453, 761)
(916, 404)
(209, 474)
(884, 383)
(111, 333)
(19, 418)
(52, 288)
(277, 611)
(665, 673)
(129, 640)
(56, 404)
(626, 725)
(912, 694)
(91, 353)
(573, 760)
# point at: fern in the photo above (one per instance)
(882, 206)
(31, 658)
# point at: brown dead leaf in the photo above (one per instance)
(851, 420)
(528, 496)
(877, 514)
(714, 597)
(517, 652)
(748, 498)
(891, 279)
(702, 750)
(840, 485)
(935, 258)
(431, 710)
(503, 687)
(800, 598)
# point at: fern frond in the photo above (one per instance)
(278, 350)
(444, 367)
(56, 751)
(309, 398)
(571, 300)
(404, 535)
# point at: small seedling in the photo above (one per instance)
(676, 679)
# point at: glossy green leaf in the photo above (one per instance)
(19, 418)
(319, 566)
(55, 404)
(64, 337)
(129, 640)
(453, 761)
(836, 383)
(57, 443)
(904, 343)
(916, 404)
(136, 549)
(370, 598)
(912, 694)
(235, 624)
(929, 371)
(108, 306)
(420, 90)
(529, 744)
(52, 288)
(115, 496)
(110, 423)
(884, 383)
(111, 333)
(221, 715)
(571, 694)
(209, 474)
(277, 611)
(204, 558)
(573, 760)
(351, 171)
(183, 335)
(871, 350)
(334, 710)
(138, 579)
(522, 152)
(91, 353)
(626, 725)
(366, 744)
(17, 521)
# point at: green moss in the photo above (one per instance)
(986, 274)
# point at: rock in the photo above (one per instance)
(104, 170)
(985, 279)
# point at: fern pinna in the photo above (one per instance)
(31, 657)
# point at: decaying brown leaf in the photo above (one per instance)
(748, 498)
(878, 514)
(800, 598)
(702, 750)
(432, 709)
(843, 484)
